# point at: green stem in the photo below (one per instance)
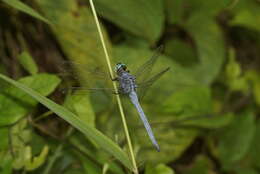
(52, 160)
(44, 115)
(115, 87)
(57, 153)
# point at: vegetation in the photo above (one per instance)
(204, 111)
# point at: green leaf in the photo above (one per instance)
(246, 13)
(246, 171)
(158, 169)
(181, 52)
(233, 69)
(99, 157)
(6, 165)
(15, 104)
(20, 136)
(208, 8)
(81, 106)
(178, 10)
(173, 141)
(255, 146)
(89, 166)
(201, 165)
(17, 4)
(77, 34)
(189, 107)
(210, 46)
(234, 80)
(37, 161)
(247, 18)
(253, 77)
(93, 134)
(4, 139)
(190, 101)
(28, 63)
(174, 11)
(140, 17)
(174, 80)
(207, 121)
(235, 140)
(74, 171)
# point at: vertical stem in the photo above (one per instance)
(115, 87)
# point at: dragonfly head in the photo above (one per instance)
(120, 67)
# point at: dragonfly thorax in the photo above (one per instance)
(126, 82)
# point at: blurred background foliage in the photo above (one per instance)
(204, 112)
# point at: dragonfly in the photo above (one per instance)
(134, 86)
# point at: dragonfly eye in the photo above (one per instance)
(119, 66)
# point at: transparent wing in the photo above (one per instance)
(84, 90)
(152, 79)
(68, 69)
(94, 78)
(144, 86)
(143, 72)
(97, 79)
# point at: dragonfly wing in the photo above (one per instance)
(143, 87)
(70, 69)
(84, 90)
(144, 70)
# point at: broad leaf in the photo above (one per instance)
(80, 105)
(178, 10)
(15, 104)
(246, 171)
(140, 17)
(158, 169)
(76, 32)
(201, 165)
(246, 13)
(189, 101)
(210, 46)
(255, 146)
(235, 140)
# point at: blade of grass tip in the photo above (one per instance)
(115, 87)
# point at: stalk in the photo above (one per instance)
(115, 88)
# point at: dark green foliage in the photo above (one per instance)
(204, 111)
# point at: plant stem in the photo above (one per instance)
(57, 153)
(115, 87)
(44, 115)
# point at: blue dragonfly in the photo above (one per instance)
(132, 85)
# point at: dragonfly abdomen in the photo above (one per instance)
(134, 100)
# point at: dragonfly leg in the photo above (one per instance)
(116, 93)
(113, 79)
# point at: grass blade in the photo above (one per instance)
(104, 142)
(26, 9)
